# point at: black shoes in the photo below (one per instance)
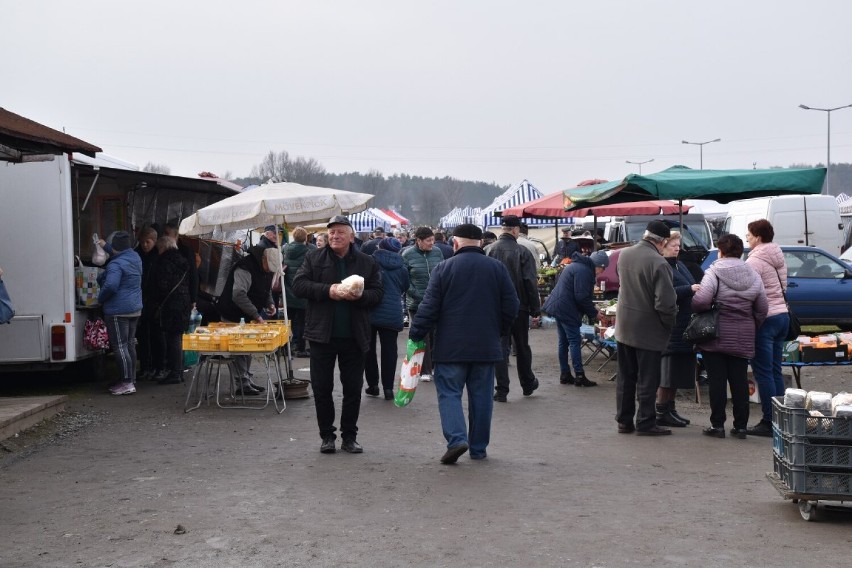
(327, 446)
(529, 390)
(665, 417)
(388, 394)
(566, 378)
(582, 381)
(247, 389)
(500, 397)
(626, 428)
(762, 428)
(740, 433)
(654, 431)
(372, 391)
(351, 446)
(453, 454)
(675, 414)
(171, 380)
(714, 432)
(301, 354)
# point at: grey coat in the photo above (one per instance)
(647, 304)
(743, 301)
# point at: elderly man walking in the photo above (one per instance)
(337, 323)
(472, 299)
(523, 271)
(646, 312)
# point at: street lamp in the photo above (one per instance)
(640, 164)
(701, 146)
(827, 112)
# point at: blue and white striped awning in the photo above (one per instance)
(461, 215)
(369, 219)
(521, 193)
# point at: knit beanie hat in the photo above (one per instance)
(600, 258)
(120, 241)
(390, 244)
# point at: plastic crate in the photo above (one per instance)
(802, 452)
(205, 342)
(255, 342)
(811, 481)
(798, 422)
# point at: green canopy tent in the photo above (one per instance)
(679, 182)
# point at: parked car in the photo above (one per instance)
(847, 257)
(819, 285)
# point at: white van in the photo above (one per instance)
(803, 220)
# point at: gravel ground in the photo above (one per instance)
(133, 481)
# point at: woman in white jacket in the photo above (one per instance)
(767, 259)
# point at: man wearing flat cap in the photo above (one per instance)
(646, 312)
(337, 324)
(466, 292)
(522, 266)
(269, 238)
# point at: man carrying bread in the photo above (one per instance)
(337, 324)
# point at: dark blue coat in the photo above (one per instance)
(470, 302)
(683, 281)
(388, 314)
(573, 295)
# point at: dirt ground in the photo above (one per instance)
(108, 482)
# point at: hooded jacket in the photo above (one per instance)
(573, 295)
(395, 281)
(767, 260)
(294, 257)
(739, 291)
(419, 265)
(121, 284)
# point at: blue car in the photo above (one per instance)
(819, 285)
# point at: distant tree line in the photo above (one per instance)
(421, 199)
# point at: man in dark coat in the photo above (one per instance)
(246, 296)
(472, 299)
(171, 230)
(337, 324)
(441, 244)
(646, 312)
(522, 266)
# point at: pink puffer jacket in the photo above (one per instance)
(767, 260)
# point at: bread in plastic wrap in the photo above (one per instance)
(840, 399)
(354, 283)
(817, 400)
(843, 411)
(795, 398)
(813, 423)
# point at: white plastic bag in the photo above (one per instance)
(99, 257)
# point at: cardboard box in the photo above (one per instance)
(824, 354)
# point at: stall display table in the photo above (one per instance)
(797, 368)
(203, 387)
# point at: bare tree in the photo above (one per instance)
(451, 189)
(273, 166)
(153, 168)
(280, 167)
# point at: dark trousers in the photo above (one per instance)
(143, 335)
(350, 361)
(387, 340)
(297, 325)
(638, 379)
(174, 353)
(723, 370)
(521, 335)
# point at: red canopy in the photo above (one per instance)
(553, 206)
(394, 215)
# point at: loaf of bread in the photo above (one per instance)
(352, 283)
(795, 398)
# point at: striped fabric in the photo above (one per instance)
(461, 215)
(521, 193)
(369, 219)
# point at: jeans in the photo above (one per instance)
(387, 338)
(638, 378)
(450, 381)
(571, 341)
(766, 363)
(350, 361)
(521, 335)
(122, 339)
(723, 370)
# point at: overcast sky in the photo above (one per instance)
(555, 92)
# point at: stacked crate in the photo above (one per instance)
(812, 454)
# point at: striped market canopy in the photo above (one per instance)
(460, 215)
(521, 193)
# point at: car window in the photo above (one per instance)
(812, 264)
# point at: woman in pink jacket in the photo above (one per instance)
(767, 260)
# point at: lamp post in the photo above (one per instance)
(640, 164)
(701, 147)
(827, 112)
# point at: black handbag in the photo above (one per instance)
(794, 329)
(704, 326)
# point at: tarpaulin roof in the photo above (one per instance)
(524, 192)
(552, 206)
(680, 182)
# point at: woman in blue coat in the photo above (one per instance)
(386, 318)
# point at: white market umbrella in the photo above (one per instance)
(274, 204)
